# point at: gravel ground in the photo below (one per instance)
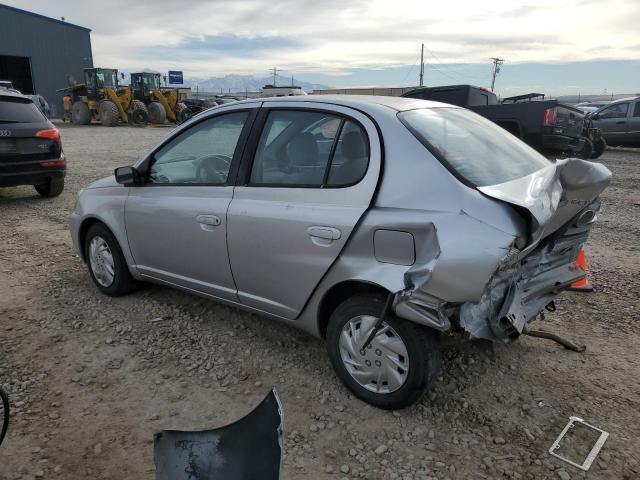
(91, 378)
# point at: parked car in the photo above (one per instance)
(551, 127)
(30, 147)
(619, 122)
(197, 105)
(375, 223)
(589, 107)
(8, 85)
(224, 99)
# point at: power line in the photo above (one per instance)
(409, 72)
(433, 66)
(443, 64)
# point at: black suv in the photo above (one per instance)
(30, 147)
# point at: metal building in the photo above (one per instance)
(37, 53)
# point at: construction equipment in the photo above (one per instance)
(101, 98)
(161, 103)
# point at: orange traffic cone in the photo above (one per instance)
(583, 285)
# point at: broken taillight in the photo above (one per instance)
(550, 115)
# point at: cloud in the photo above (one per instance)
(215, 37)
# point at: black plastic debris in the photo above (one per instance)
(250, 448)
(4, 414)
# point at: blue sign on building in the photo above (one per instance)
(175, 78)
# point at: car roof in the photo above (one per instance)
(359, 102)
(622, 100)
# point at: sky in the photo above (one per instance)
(369, 42)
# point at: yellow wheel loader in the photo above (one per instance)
(101, 98)
(162, 103)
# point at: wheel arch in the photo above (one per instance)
(338, 293)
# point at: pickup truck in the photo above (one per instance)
(551, 127)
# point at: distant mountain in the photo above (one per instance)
(241, 83)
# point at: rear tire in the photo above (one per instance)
(80, 113)
(587, 149)
(139, 114)
(52, 188)
(121, 282)
(157, 113)
(140, 105)
(599, 146)
(416, 371)
(109, 115)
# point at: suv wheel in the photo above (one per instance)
(106, 262)
(398, 365)
(52, 188)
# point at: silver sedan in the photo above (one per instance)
(375, 223)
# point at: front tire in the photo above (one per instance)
(52, 188)
(157, 113)
(105, 260)
(109, 115)
(399, 364)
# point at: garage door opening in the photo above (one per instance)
(18, 70)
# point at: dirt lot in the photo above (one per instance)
(92, 378)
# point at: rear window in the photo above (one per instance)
(16, 110)
(476, 149)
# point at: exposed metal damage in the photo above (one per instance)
(561, 202)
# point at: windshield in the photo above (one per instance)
(107, 78)
(475, 148)
(151, 82)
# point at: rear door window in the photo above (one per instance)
(310, 149)
(18, 111)
(351, 156)
(636, 111)
(472, 147)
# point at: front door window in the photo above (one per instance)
(200, 156)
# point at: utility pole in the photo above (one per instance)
(422, 66)
(292, 80)
(497, 62)
(275, 74)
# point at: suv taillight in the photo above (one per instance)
(50, 133)
(549, 118)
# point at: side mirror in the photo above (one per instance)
(595, 116)
(127, 176)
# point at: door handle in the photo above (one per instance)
(210, 220)
(622, 122)
(323, 235)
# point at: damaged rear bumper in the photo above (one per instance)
(519, 276)
(513, 298)
(522, 285)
